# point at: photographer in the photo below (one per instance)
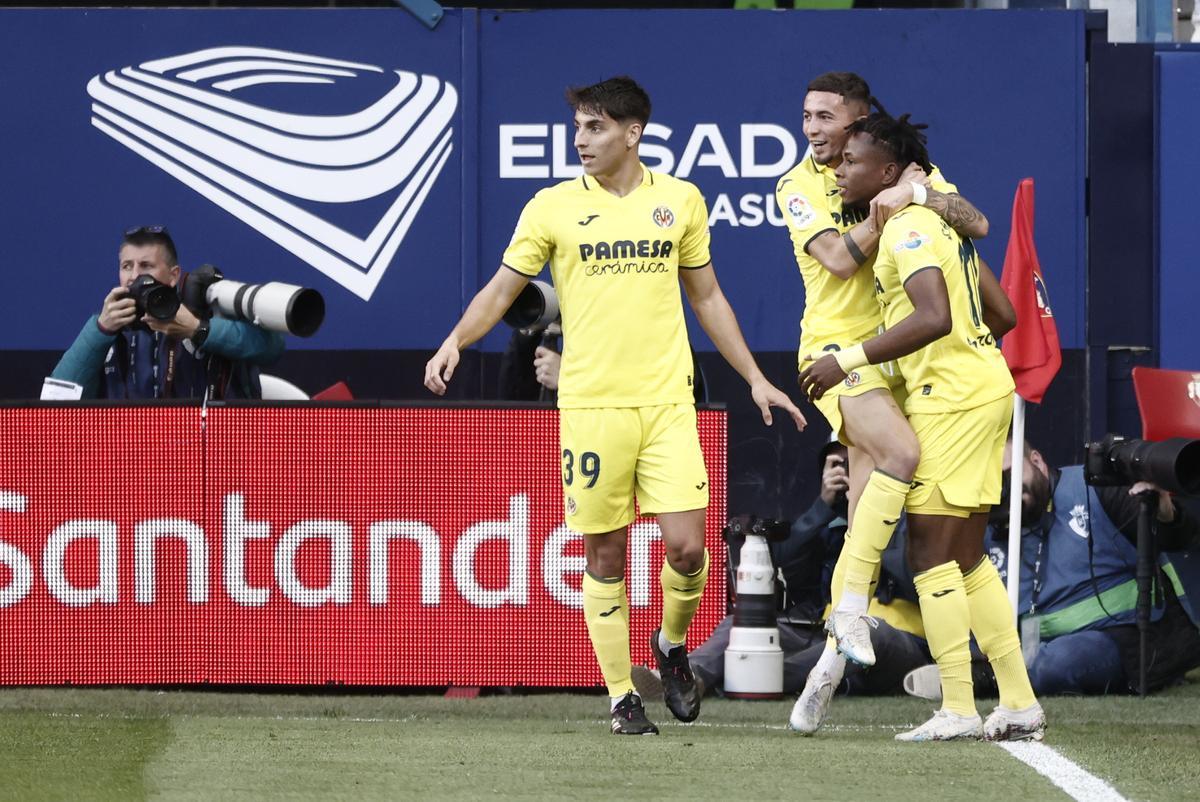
(529, 366)
(805, 560)
(121, 354)
(1078, 585)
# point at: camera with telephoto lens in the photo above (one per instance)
(153, 298)
(754, 658)
(1173, 465)
(275, 306)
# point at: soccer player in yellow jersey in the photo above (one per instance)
(834, 245)
(620, 240)
(939, 309)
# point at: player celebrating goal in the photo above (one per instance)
(959, 402)
(620, 240)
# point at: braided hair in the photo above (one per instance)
(901, 138)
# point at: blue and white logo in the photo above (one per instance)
(286, 174)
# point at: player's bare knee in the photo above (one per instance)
(901, 458)
(686, 558)
(606, 566)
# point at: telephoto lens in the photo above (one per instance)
(754, 658)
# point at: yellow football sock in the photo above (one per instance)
(606, 611)
(875, 519)
(838, 581)
(681, 597)
(947, 619)
(996, 634)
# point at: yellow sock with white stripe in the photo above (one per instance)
(681, 597)
(875, 517)
(606, 611)
(996, 634)
(947, 619)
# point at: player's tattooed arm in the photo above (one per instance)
(959, 213)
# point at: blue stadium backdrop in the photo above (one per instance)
(257, 137)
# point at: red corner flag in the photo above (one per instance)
(1031, 349)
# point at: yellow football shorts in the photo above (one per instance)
(961, 458)
(612, 456)
(861, 380)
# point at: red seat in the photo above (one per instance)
(1169, 402)
(335, 392)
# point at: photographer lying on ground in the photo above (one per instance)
(146, 344)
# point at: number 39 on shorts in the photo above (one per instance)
(589, 467)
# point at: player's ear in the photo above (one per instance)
(891, 174)
(633, 135)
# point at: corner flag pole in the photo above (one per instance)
(1014, 503)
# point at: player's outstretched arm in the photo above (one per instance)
(929, 321)
(844, 254)
(485, 309)
(716, 316)
(998, 312)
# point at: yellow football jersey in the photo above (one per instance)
(834, 309)
(964, 369)
(615, 264)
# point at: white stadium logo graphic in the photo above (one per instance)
(263, 165)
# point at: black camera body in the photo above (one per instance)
(1173, 465)
(739, 526)
(154, 298)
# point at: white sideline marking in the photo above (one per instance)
(1061, 771)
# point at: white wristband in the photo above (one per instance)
(919, 194)
(852, 358)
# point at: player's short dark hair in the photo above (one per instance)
(152, 235)
(901, 138)
(850, 85)
(620, 98)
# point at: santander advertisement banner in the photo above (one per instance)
(393, 546)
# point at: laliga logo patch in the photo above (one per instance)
(199, 117)
(801, 210)
(853, 379)
(570, 504)
(663, 217)
(913, 242)
(1194, 388)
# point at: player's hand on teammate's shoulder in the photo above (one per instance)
(895, 198)
(820, 376)
(767, 395)
(440, 368)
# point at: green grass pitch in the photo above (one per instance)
(120, 744)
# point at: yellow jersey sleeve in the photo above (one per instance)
(532, 244)
(914, 246)
(800, 196)
(693, 245)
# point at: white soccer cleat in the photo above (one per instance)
(924, 682)
(813, 705)
(946, 726)
(1026, 724)
(853, 634)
